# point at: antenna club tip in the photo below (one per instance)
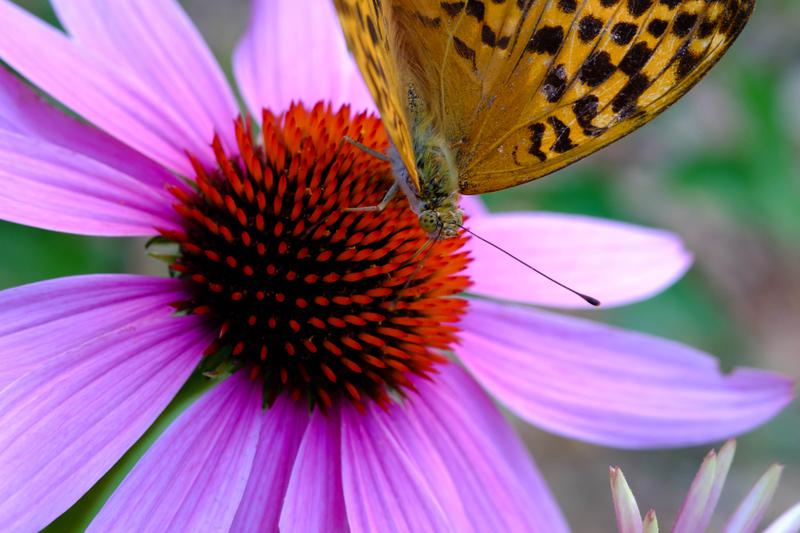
(592, 301)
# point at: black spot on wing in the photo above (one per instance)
(373, 32)
(684, 23)
(555, 84)
(623, 33)
(687, 61)
(475, 8)
(624, 103)
(568, 6)
(586, 109)
(453, 8)
(546, 40)
(596, 69)
(706, 28)
(489, 38)
(635, 59)
(536, 134)
(637, 8)
(657, 27)
(589, 27)
(465, 51)
(563, 142)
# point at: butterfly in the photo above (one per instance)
(482, 95)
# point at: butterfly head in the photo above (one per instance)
(441, 223)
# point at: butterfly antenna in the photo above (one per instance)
(588, 299)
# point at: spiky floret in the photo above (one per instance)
(310, 298)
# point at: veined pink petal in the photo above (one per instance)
(283, 34)
(25, 112)
(384, 489)
(64, 425)
(105, 93)
(475, 473)
(499, 487)
(282, 429)
(314, 499)
(608, 386)
(614, 262)
(50, 187)
(194, 476)
(158, 44)
(42, 321)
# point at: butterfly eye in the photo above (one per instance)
(429, 221)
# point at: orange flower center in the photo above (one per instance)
(311, 298)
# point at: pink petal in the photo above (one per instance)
(613, 262)
(626, 510)
(282, 429)
(751, 511)
(445, 456)
(159, 45)
(699, 503)
(194, 476)
(105, 93)
(42, 321)
(724, 460)
(473, 207)
(608, 386)
(50, 187)
(294, 50)
(314, 499)
(25, 112)
(384, 488)
(499, 487)
(64, 425)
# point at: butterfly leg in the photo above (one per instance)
(364, 148)
(381, 206)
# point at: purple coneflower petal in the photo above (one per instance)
(314, 499)
(724, 461)
(103, 92)
(193, 477)
(608, 386)
(50, 187)
(157, 42)
(384, 488)
(751, 511)
(66, 423)
(282, 429)
(701, 500)
(626, 510)
(472, 207)
(614, 262)
(280, 35)
(497, 482)
(42, 321)
(24, 111)
(450, 451)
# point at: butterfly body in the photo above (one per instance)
(433, 194)
(478, 96)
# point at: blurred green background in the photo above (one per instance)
(721, 168)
